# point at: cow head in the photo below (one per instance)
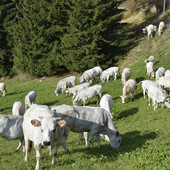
(48, 127)
(123, 98)
(57, 92)
(115, 139)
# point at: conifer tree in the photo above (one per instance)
(36, 36)
(7, 10)
(95, 35)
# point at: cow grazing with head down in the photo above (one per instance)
(94, 120)
(43, 128)
(11, 129)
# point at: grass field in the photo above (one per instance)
(146, 140)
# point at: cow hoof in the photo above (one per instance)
(15, 151)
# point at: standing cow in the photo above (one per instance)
(94, 120)
(41, 127)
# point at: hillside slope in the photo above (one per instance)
(146, 133)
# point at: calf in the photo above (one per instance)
(11, 129)
(128, 89)
(88, 93)
(161, 27)
(43, 128)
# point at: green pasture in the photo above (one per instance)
(146, 133)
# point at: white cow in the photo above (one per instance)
(125, 75)
(11, 129)
(18, 109)
(157, 95)
(74, 90)
(30, 99)
(164, 81)
(63, 84)
(128, 89)
(166, 102)
(146, 84)
(94, 120)
(161, 27)
(98, 70)
(150, 69)
(106, 103)
(3, 88)
(43, 128)
(160, 72)
(167, 73)
(88, 76)
(149, 30)
(106, 74)
(150, 59)
(88, 93)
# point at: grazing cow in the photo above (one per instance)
(161, 27)
(167, 73)
(88, 76)
(164, 81)
(3, 89)
(30, 99)
(128, 89)
(98, 70)
(74, 90)
(88, 93)
(157, 95)
(149, 30)
(65, 83)
(106, 103)
(146, 84)
(112, 71)
(18, 109)
(125, 75)
(150, 69)
(166, 102)
(94, 120)
(150, 59)
(11, 129)
(43, 128)
(160, 72)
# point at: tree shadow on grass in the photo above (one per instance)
(2, 110)
(51, 103)
(127, 113)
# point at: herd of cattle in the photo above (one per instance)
(50, 126)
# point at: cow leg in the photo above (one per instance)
(80, 136)
(149, 101)
(144, 93)
(98, 99)
(64, 141)
(27, 144)
(98, 140)
(86, 135)
(20, 144)
(115, 76)
(38, 156)
(54, 154)
(91, 136)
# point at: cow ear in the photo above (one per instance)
(35, 122)
(62, 123)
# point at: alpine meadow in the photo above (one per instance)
(43, 42)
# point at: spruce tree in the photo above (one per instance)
(36, 36)
(7, 12)
(95, 35)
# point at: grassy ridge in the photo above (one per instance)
(145, 143)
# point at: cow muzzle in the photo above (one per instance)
(46, 143)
